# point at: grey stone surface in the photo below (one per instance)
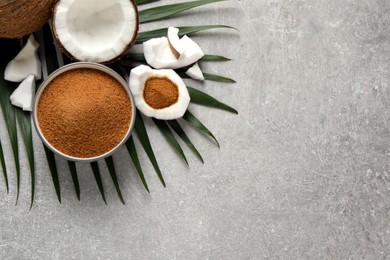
(302, 173)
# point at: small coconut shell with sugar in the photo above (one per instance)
(95, 30)
(22, 17)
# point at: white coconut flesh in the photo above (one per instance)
(139, 86)
(174, 41)
(195, 72)
(159, 55)
(95, 30)
(25, 63)
(23, 96)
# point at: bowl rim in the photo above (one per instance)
(83, 65)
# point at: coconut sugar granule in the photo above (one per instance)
(160, 92)
(84, 113)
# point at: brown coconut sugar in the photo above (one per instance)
(160, 92)
(84, 113)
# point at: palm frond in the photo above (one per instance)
(134, 157)
(180, 132)
(212, 57)
(3, 167)
(47, 50)
(201, 98)
(217, 78)
(98, 178)
(142, 2)
(140, 57)
(51, 160)
(144, 139)
(183, 30)
(166, 11)
(8, 51)
(133, 57)
(194, 122)
(24, 120)
(114, 177)
(75, 179)
(168, 135)
(208, 76)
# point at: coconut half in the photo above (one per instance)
(22, 17)
(25, 63)
(95, 30)
(148, 99)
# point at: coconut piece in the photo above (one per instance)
(22, 17)
(23, 96)
(95, 30)
(174, 41)
(25, 63)
(138, 81)
(195, 72)
(159, 55)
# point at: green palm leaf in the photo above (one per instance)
(212, 57)
(194, 122)
(114, 177)
(201, 98)
(8, 51)
(51, 160)
(24, 120)
(134, 157)
(130, 57)
(209, 76)
(168, 135)
(75, 179)
(184, 30)
(213, 77)
(144, 139)
(3, 166)
(165, 11)
(47, 50)
(180, 132)
(98, 178)
(142, 2)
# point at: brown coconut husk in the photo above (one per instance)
(70, 56)
(22, 17)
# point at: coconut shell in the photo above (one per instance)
(70, 56)
(22, 17)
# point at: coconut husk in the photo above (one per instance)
(22, 17)
(72, 57)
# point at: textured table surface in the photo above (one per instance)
(302, 172)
